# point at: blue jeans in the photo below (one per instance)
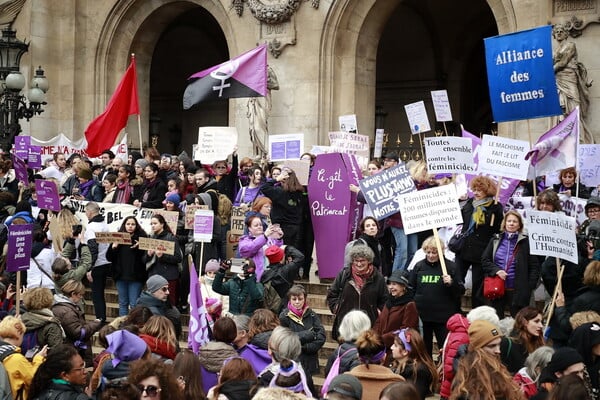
(406, 246)
(129, 291)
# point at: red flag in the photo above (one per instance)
(102, 132)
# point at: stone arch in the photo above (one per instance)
(135, 26)
(348, 51)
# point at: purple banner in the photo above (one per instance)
(34, 159)
(22, 144)
(332, 208)
(355, 173)
(47, 195)
(203, 225)
(20, 169)
(382, 190)
(508, 185)
(19, 247)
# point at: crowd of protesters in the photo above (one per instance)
(394, 293)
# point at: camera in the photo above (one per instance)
(236, 265)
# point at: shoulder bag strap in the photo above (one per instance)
(41, 269)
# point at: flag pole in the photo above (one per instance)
(139, 119)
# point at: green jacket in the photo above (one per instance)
(245, 295)
(83, 266)
(47, 325)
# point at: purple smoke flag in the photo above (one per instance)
(557, 148)
(242, 76)
(198, 325)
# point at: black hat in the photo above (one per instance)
(346, 385)
(392, 156)
(398, 277)
(563, 358)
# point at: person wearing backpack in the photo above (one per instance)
(43, 328)
(280, 273)
(20, 371)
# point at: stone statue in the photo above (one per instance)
(258, 111)
(9, 10)
(571, 79)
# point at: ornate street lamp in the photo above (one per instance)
(15, 106)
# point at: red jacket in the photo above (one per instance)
(457, 335)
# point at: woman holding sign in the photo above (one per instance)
(160, 263)
(507, 256)
(481, 220)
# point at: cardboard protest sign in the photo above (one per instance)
(333, 209)
(113, 237)
(351, 143)
(441, 105)
(430, 208)
(165, 246)
(20, 240)
(20, 169)
(203, 225)
(504, 157)
(287, 146)
(348, 123)
(190, 211)
(520, 74)
(301, 168)
(382, 190)
(47, 195)
(552, 234)
(417, 117)
(22, 144)
(238, 217)
(215, 143)
(171, 218)
(449, 154)
(589, 164)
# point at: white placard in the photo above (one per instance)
(215, 143)
(449, 154)
(589, 164)
(351, 143)
(417, 117)
(203, 225)
(286, 146)
(348, 123)
(552, 234)
(378, 143)
(430, 208)
(441, 105)
(503, 157)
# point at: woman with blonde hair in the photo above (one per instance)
(20, 371)
(159, 334)
(507, 256)
(373, 376)
(78, 330)
(39, 319)
(481, 217)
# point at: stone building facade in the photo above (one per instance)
(331, 57)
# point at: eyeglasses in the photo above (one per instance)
(360, 261)
(593, 211)
(165, 289)
(79, 369)
(151, 390)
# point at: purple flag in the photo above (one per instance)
(508, 184)
(47, 195)
(19, 247)
(242, 76)
(198, 325)
(557, 148)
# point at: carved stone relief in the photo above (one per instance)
(576, 13)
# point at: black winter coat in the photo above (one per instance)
(311, 333)
(128, 263)
(59, 391)
(477, 241)
(343, 297)
(166, 265)
(527, 268)
(156, 194)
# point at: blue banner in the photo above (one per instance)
(521, 75)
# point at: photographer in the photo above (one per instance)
(245, 294)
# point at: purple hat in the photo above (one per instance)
(125, 346)
(212, 266)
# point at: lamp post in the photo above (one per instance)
(15, 106)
